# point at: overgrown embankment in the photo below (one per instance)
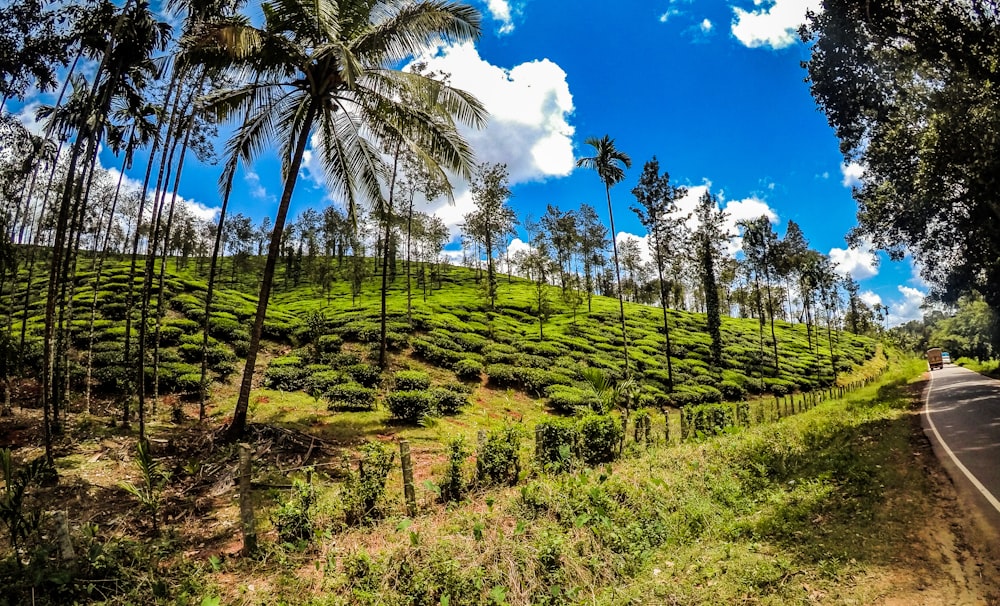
(834, 505)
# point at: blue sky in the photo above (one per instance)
(713, 88)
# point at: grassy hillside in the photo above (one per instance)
(453, 330)
(463, 380)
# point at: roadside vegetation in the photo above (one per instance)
(819, 503)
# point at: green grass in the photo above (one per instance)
(822, 500)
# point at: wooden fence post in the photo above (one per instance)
(247, 523)
(408, 493)
(63, 540)
(666, 426)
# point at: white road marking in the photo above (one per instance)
(975, 481)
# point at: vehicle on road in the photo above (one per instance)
(934, 358)
(946, 357)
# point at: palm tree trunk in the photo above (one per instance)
(409, 282)
(382, 362)
(238, 425)
(174, 79)
(210, 292)
(618, 278)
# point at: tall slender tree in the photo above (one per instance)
(657, 211)
(709, 237)
(492, 220)
(593, 248)
(610, 164)
(759, 243)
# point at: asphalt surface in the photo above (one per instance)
(962, 418)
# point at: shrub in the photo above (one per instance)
(294, 519)
(329, 344)
(555, 444)
(340, 360)
(497, 461)
(189, 383)
(409, 405)
(284, 378)
(600, 438)
(351, 395)
(363, 490)
(322, 381)
(708, 419)
(446, 401)
(226, 329)
(468, 369)
(779, 387)
(536, 380)
(567, 399)
(170, 335)
(453, 484)
(731, 391)
(469, 341)
(289, 360)
(411, 380)
(684, 395)
(502, 375)
(436, 354)
(542, 348)
(365, 374)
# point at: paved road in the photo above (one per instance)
(962, 418)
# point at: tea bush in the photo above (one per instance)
(409, 406)
(707, 419)
(351, 395)
(365, 374)
(600, 438)
(566, 399)
(411, 380)
(364, 489)
(329, 344)
(497, 459)
(284, 378)
(321, 381)
(468, 369)
(446, 401)
(454, 485)
(294, 518)
(555, 443)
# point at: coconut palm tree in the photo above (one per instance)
(610, 164)
(333, 66)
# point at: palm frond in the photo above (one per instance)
(402, 30)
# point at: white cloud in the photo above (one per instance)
(908, 308)
(861, 263)
(735, 211)
(257, 189)
(870, 298)
(747, 209)
(667, 15)
(27, 118)
(528, 104)
(772, 24)
(197, 209)
(644, 252)
(706, 26)
(853, 173)
(528, 129)
(500, 11)
(517, 245)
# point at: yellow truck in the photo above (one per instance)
(934, 358)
